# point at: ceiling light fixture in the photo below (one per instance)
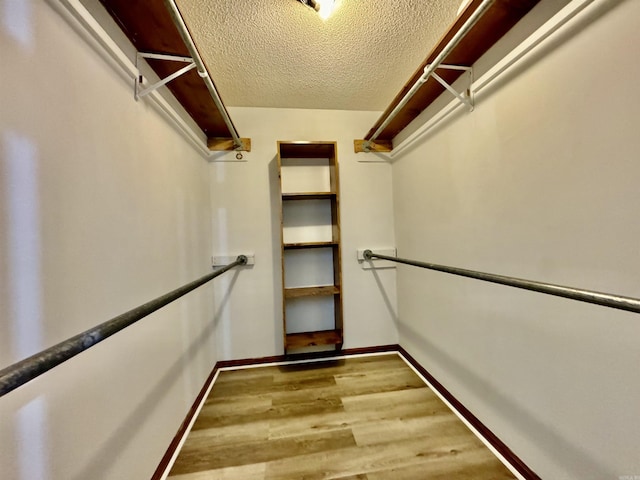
(323, 7)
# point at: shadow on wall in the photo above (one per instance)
(554, 445)
(222, 318)
(99, 465)
(276, 231)
(592, 13)
(385, 297)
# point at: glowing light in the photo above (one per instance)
(17, 20)
(19, 160)
(24, 241)
(326, 8)
(33, 449)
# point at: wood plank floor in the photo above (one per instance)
(359, 418)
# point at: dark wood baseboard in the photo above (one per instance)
(307, 356)
(498, 444)
(173, 446)
(495, 442)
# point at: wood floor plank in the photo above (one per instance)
(347, 386)
(254, 471)
(387, 431)
(368, 418)
(379, 381)
(242, 388)
(469, 465)
(308, 424)
(232, 434)
(197, 454)
(399, 403)
(363, 409)
(433, 454)
(241, 410)
(266, 384)
(210, 417)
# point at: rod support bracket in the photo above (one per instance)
(464, 97)
(142, 92)
(367, 254)
(242, 259)
(368, 146)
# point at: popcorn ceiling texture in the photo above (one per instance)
(280, 53)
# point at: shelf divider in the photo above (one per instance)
(293, 246)
(321, 291)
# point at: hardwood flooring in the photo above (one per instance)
(368, 418)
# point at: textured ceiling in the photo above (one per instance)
(280, 53)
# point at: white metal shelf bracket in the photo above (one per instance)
(465, 97)
(141, 92)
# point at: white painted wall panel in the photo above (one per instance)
(308, 221)
(305, 175)
(539, 182)
(246, 215)
(308, 267)
(103, 206)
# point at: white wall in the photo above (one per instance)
(246, 219)
(102, 207)
(539, 182)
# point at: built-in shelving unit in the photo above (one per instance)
(310, 246)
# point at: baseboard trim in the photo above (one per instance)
(307, 356)
(481, 428)
(184, 427)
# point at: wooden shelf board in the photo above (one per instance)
(311, 291)
(307, 149)
(492, 26)
(308, 196)
(293, 246)
(312, 339)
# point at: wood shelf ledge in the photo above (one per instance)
(322, 291)
(312, 339)
(308, 196)
(293, 246)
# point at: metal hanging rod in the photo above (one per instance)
(629, 304)
(31, 367)
(202, 70)
(433, 66)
